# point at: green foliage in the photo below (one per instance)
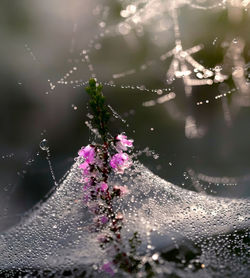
(99, 108)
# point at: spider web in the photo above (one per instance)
(54, 235)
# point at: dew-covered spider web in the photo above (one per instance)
(214, 231)
(186, 110)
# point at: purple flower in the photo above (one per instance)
(99, 220)
(88, 153)
(120, 161)
(108, 268)
(123, 143)
(104, 219)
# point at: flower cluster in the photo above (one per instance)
(121, 160)
(97, 162)
(122, 143)
(95, 168)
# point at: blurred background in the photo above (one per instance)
(49, 50)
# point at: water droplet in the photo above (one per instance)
(155, 257)
(74, 106)
(44, 145)
(159, 92)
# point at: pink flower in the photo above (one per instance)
(86, 179)
(108, 268)
(103, 186)
(123, 143)
(120, 161)
(85, 168)
(88, 153)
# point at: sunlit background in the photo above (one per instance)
(194, 136)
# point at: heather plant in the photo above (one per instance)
(97, 162)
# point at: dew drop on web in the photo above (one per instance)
(44, 145)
